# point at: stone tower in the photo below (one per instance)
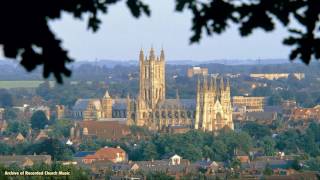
(152, 78)
(106, 102)
(152, 85)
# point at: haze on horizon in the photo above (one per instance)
(121, 36)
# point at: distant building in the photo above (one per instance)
(2, 113)
(306, 113)
(287, 107)
(3, 125)
(275, 76)
(197, 71)
(252, 104)
(60, 111)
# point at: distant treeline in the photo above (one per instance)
(103, 71)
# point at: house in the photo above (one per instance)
(261, 116)
(209, 166)
(114, 155)
(3, 124)
(174, 166)
(42, 135)
(20, 138)
(243, 158)
(305, 113)
(25, 160)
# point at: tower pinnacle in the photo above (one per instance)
(152, 54)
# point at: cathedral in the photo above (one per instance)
(210, 111)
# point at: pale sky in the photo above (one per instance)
(121, 36)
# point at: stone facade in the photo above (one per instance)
(214, 110)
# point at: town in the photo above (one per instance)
(153, 120)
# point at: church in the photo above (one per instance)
(210, 111)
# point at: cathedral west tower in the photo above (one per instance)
(152, 78)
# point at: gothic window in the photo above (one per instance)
(163, 113)
(218, 117)
(189, 114)
(176, 114)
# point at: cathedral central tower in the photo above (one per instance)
(152, 78)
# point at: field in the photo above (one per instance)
(21, 84)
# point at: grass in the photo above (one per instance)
(21, 84)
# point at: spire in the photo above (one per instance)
(141, 55)
(205, 83)
(221, 84)
(177, 94)
(162, 57)
(228, 85)
(106, 95)
(198, 85)
(211, 84)
(151, 55)
(215, 83)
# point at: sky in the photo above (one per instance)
(121, 36)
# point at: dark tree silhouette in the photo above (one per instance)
(216, 16)
(26, 36)
(38, 120)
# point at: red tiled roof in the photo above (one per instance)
(106, 129)
(106, 153)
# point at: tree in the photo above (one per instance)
(256, 130)
(5, 98)
(268, 170)
(35, 43)
(150, 152)
(53, 147)
(38, 120)
(18, 127)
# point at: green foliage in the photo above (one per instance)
(10, 114)
(150, 151)
(38, 120)
(15, 127)
(5, 149)
(293, 141)
(268, 170)
(313, 164)
(159, 176)
(53, 147)
(256, 130)
(216, 16)
(5, 98)
(61, 128)
(268, 145)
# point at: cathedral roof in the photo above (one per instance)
(175, 103)
(119, 104)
